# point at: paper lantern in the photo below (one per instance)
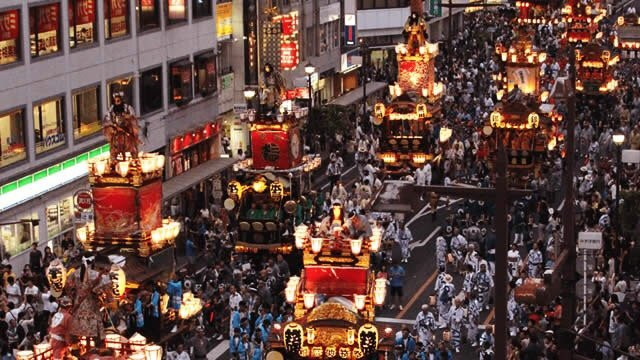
(356, 246)
(118, 280)
(42, 349)
(153, 352)
(380, 291)
(99, 167)
(57, 276)
(316, 244)
(375, 239)
(311, 335)
(300, 235)
(122, 168)
(359, 301)
(136, 356)
(351, 336)
(290, 294)
(137, 342)
(24, 355)
(309, 300)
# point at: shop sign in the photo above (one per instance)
(435, 7)
(55, 139)
(47, 18)
(224, 28)
(226, 81)
(9, 25)
(85, 12)
(177, 9)
(350, 35)
(297, 93)
(288, 55)
(83, 200)
(590, 240)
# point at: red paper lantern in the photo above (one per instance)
(176, 144)
(187, 140)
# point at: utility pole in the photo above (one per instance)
(568, 292)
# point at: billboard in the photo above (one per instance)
(224, 29)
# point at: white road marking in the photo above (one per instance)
(561, 205)
(426, 240)
(417, 215)
(218, 351)
(395, 321)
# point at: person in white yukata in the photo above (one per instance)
(425, 325)
(483, 284)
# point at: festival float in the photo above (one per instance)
(127, 236)
(522, 120)
(582, 20)
(595, 69)
(267, 191)
(627, 38)
(335, 297)
(405, 122)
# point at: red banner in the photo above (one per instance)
(288, 55)
(335, 281)
(118, 7)
(150, 200)
(47, 18)
(287, 24)
(9, 24)
(270, 148)
(413, 75)
(85, 12)
(115, 210)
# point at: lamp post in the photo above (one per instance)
(618, 140)
(309, 70)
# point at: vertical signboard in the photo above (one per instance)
(435, 7)
(250, 42)
(224, 28)
(349, 29)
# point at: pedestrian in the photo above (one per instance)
(425, 325)
(396, 283)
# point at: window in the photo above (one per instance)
(18, 237)
(9, 36)
(151, 90)
(148, 14)
(177, 11)
(181, 82)
(201, 8)
(116, 18)
(86, 113)
(206, 74)
(12, 138)
(44, 29)
(82, 22)
(48, 125)
(122, 86)
(59, 217)
(381, 4)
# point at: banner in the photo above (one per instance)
(84, 11)
(335, 281)
(150, 200)
(9, 21)
(288, 55)
(413, 75)
(270, 148)
(115, 210)
(224, 29)
(48, 18)
(435, 7)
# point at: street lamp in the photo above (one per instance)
(309, 70)
(249, 94)
(618, 140)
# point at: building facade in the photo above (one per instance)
(61, 63)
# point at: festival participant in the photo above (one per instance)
(425, 325)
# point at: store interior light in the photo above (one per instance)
(618, 139)
(249, 94)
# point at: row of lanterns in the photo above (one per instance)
(149, 163)
(136, 345)
(167, 232)
(301, 234)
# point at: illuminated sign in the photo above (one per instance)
(288, 55)
(177, 10)
(9, 21)
(224, 28)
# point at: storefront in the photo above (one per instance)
(194, 148)
(38, 208)
(235, 134)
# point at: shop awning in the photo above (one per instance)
(179, 183)
(355, 95)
